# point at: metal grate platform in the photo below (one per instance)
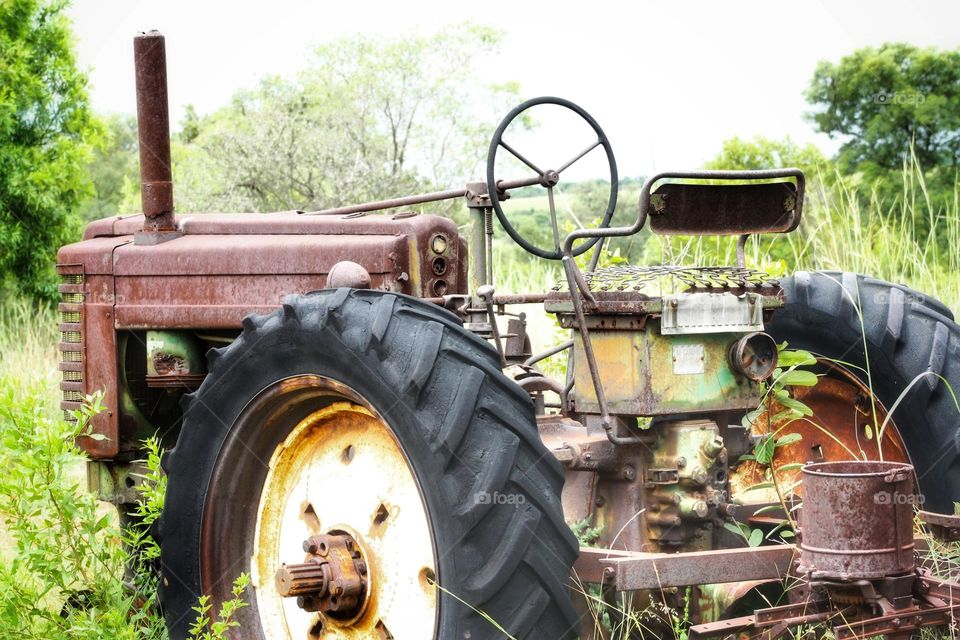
(665, 280)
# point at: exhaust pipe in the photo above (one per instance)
(153, 125)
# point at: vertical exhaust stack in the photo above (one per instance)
(153, 124)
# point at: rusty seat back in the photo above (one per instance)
(724, 202)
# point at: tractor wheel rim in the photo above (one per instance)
(838, 430)
(342, 470)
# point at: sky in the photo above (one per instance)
(668, 81)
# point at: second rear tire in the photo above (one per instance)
(911, 347)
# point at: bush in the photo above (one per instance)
(63, 553)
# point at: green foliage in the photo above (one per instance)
(883, 100)
(113, 168)
(766, 153)
(63, 553)
(586, 535)
(63, 565)
(207, 628)
(45, 131)
(369, 118)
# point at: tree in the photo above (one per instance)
(884, 101)
(112, 168)
(45, 131)
(369, 118)
(766, 153)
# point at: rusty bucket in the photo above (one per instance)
(856, 522)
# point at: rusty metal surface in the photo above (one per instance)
(942, 527)
(838, 430)
(153, 124)
(412, 239)
(334, 578)
(644, 373)
(215, 281)
(634, 303)
(729, 207)
(592, 567)
(281, 223)
(685, 482)
(391, 203)
(927, 602)
(225, 267)
(212, 256)
(86, 323)
(857, 520)
(661, 280)
(628, 571)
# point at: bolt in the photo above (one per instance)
(699, 475)
(713, 447)
(628, 473)
(600, 501)
(310, 545)
(681, 462)
(362, 568)
(336, 588)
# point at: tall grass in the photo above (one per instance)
(28, 349)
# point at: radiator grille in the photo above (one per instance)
(71, 343)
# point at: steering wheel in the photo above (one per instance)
(548, 178)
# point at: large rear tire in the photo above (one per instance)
(490, 491)
(912, 348)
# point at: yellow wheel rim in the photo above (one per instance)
(341, 469)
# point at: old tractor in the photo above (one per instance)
(354, 416)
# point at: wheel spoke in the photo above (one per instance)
(553, 219)
(522, 159)
(576, 158)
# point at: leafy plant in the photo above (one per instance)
(46, 129)
(63, 554)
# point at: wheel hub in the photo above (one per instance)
(343, 548)
(333, 580)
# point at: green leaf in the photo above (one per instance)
(788, 439)
(750, 418)
(765, 449)
(796, 405)
(793, 466)
(795, 358)
(756, 537)
(798, 378)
